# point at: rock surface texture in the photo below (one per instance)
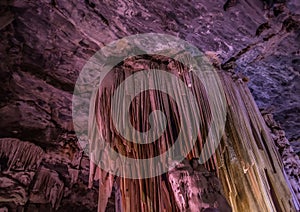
(45, 44)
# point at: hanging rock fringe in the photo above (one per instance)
(247, 163)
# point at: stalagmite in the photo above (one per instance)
(247, 164)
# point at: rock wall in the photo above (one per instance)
(49, 41)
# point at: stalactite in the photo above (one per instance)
(254, 176)
(18, 163)
(49, 186)
(19, 155)
(246, 163)
(290, 159)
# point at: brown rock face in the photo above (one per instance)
(43, 47)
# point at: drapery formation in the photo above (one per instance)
(246, 162)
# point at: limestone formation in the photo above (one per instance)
(20, 156)
(290, 159)
(196, 189)
(44, 46)
(247, 162)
